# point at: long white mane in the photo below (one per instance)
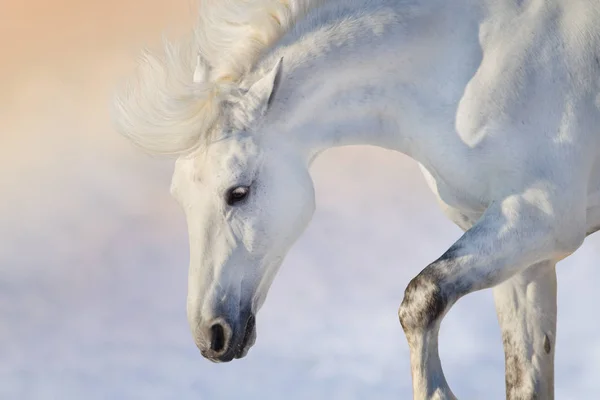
(176, 96)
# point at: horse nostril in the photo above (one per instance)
(217, 343)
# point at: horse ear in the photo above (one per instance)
(265, 88)
(201, 71)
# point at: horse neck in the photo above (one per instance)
(376, 88)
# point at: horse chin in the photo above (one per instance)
(248, 340)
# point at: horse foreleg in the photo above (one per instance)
(512, 235)
(526, 307)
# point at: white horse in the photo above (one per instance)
(497, 100)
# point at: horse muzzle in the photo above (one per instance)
(222, 341)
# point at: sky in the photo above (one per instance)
(94, 253)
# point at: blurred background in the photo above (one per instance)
(93, 250)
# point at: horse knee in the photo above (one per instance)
(424, 303)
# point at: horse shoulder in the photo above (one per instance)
(532, 90)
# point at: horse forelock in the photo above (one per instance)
(162, 109)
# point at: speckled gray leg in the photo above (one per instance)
(526, 307)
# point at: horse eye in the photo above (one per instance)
(237, 194)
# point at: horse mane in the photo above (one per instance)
(165, 110)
